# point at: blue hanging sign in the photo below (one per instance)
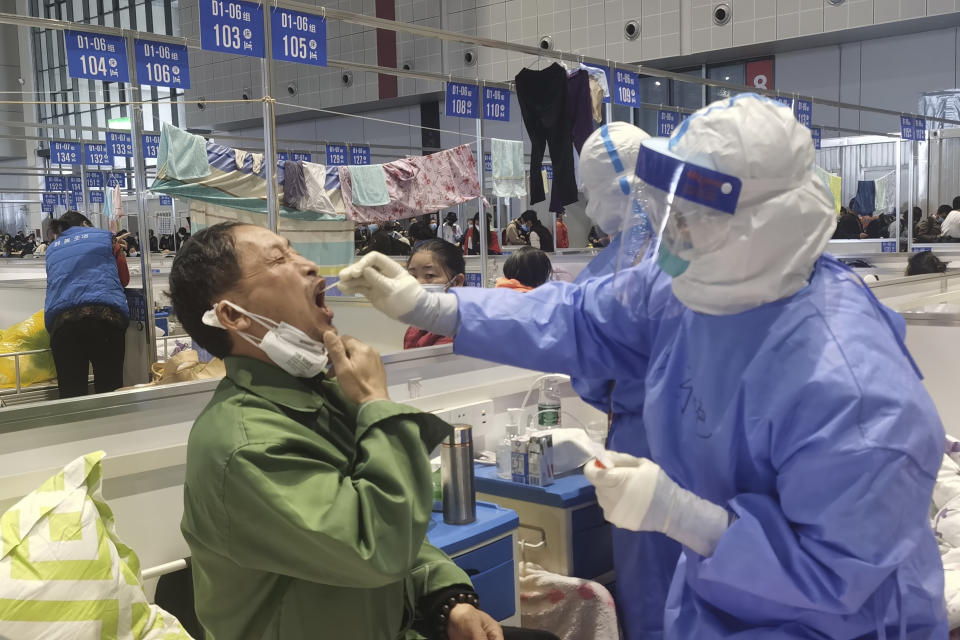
(785, 101)
(496, 104)
(360, 155)
(55, 183)
(51, 199)
(805, 113)
(95, 56)
(94, 180)
(73, 199)
(549, 169)
(888, 247)
(336, 154)
(47, 208)
(232, 26)
(150, 143)
(922, 249)
(65, 152)
(906, 127)
(626, 88)
(166, 201)
(76, 184)
(667, 122)
(119, 145)
(299, 156)
(298, 37)
(283, 155)
(97, 154)
(161, 64)
(117, 179)
(920, 128)
(62, 199)
(817, 134)
(96, 197)
(462, 100)
(487, 162)
(473, 280)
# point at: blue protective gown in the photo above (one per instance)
(805, 417)
(641, 593)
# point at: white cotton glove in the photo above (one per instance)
(636, 494)
(397, 294)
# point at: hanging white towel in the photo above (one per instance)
(318, 196)
(509, 179)
(257, 162)
(570, 608)
(240, 156)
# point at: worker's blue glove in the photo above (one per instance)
(397, 294)
(636, 494)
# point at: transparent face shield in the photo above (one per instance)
(687, 207)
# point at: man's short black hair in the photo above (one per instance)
(205, 268)
(956, 203)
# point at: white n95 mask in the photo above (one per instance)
(287, 346)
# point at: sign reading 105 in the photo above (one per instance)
(227, 35)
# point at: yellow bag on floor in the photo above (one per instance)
(28, 335)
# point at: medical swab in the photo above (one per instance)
(333, 286)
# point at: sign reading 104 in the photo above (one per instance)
(97, 57)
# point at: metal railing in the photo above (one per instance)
(16, 355)
(18, 388)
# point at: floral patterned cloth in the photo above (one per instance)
(419, 185)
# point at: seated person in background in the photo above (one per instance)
(928, 229)
(950, 227)
(382, 240)
(307, 498)
(848, 226)
(420, 233)
(514, 235)
(597, 238)
(925, 262)
(471, 239)
(437, 265)
(525, 270)
(540, 236)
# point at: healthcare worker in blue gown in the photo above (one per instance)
(793, 448)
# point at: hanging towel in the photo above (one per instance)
(182, 155)
(886, 194)
(570, 608)
(318, 192)
(118, 212)
(596, 99)
(240, 157)
(866, 197)
(369, 184)
(419, 185)
(294, 184)
(257, 162)
(833, 183)
(509, 179)
(600, 76)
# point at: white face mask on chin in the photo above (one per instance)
(287, 346)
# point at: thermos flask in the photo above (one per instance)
(456, 472)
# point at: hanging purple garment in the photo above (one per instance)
(581, 108)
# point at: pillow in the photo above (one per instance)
(64, 573)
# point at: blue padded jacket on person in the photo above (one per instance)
(81, 271)
(805, 417)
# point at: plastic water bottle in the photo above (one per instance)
(548, 408)
(505, 448)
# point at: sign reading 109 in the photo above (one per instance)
(96, 57)
(232, 26)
